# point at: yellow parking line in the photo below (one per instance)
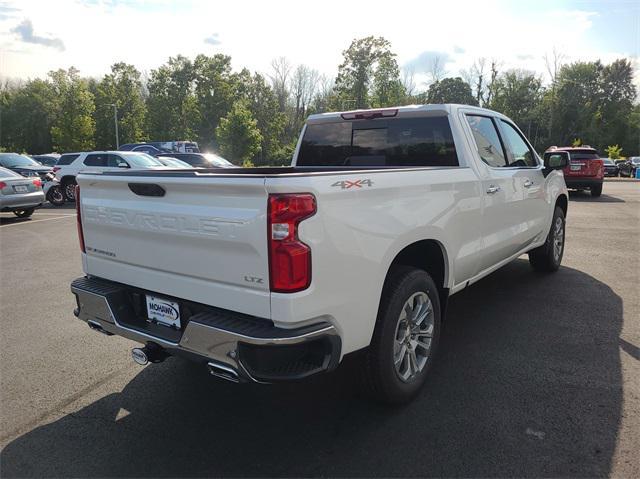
(36, 221)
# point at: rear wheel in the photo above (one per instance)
(69, 187)
(24, 213)
(596, 190)
(548, 257)
(405, 338)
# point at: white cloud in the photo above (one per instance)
(146, 33)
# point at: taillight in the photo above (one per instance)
(2, 184)
(79, 220)
(37, 183)
(55, 168)
(289, 258)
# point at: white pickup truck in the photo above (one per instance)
(274, 274)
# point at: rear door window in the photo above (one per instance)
(67, 159)
(96, 160)
(379, 143)
(114, 161)
(488, 141)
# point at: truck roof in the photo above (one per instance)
(407, 110)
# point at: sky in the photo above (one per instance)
(39, 36)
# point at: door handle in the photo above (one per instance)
(528, 184)
(493, 189)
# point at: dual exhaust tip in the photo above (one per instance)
(155, 354)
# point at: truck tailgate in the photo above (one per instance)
(204, 240)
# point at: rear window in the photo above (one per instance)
(66, 159)
(584, 155)
(379, 142)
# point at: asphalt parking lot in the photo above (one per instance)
(537, 376)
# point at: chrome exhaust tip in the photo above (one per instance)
(96, 326)
(224, 372)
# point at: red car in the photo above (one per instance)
(585, 170)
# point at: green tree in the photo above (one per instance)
(387, 87)
(517, 94)
(172, 108)
(215, 88)
(614, 152)
(357, 70)
(451, 90)
(262, 103)
(238, 134)
(73, 126)
(26, 117)
(123, 88)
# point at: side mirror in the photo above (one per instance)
(556, 160)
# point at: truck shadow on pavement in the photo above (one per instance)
(527, 383)
(586, 197)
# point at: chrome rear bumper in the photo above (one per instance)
(234, 346)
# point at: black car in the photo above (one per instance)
(610, 167)
(629, 167)
(46, 160)
(23, 165)
(202, 160)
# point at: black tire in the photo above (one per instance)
(546, 258)
(24, 213)
(55, 196)
(382, 380)
(596, 190)
(69, 189)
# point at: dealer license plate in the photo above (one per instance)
(576, 167)
(163, 311)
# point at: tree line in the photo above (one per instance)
(252, 118)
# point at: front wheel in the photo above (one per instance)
(405, 338)
(548, 257)
(55, 196)
(24, 213)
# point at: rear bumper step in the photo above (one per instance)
(234, 346)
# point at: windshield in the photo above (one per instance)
(217, 160)
(379, 142)
(635, 161)
(142, 160)
(11, 160)
(607, 161)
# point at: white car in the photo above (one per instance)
(275, 274)
(70, 164)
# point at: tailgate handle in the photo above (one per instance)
(147, 189)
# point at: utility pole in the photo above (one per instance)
(115, 120)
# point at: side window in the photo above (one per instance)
(487, 140)
(96, 160)
(521, 154)
(116, 161)
(66, 159)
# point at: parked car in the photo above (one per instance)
(70, 165)
(173, 162)
(23, 165)
(18, 194)
(49, 159)
(610, 167)
(275, 274)
(202, 160)
(629, 167)
(162, 146)
(585, 170)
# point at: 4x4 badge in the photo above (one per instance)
(346, 184)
